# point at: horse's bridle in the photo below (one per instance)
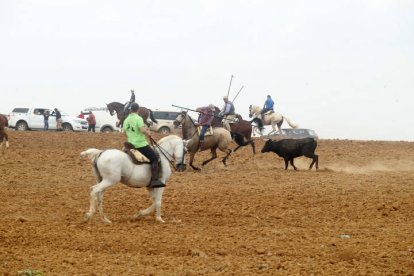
(179, 166)
(184, 115)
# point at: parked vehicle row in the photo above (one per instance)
(31, 118)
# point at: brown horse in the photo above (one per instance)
(220, 139)
(241, 127)
(3, 135)
(118, 108)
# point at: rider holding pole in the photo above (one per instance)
(206, 117)
(228, 113)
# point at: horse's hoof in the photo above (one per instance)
(86, 217)
(138, 215)
(159, 220)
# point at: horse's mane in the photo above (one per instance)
(167, 138)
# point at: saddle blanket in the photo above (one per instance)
(139, 156)
(209, 131)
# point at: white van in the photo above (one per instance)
(104, 121)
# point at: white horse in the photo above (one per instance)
(273, 119)
(112, 166)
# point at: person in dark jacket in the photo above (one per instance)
(128, 104)
(205, 119)
(58, 120)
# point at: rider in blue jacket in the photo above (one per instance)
(268, 105)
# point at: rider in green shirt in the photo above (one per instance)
(136, 129)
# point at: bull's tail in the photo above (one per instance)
(151, 115)
(292, 125)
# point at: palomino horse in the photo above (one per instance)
(4, 137)
(273, 119)
(220, 139)
(239, 126)
(118, 108)
(112, 166)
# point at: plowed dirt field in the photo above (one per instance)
(355, 216)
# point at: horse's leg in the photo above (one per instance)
(253, 146)
(213, 156)
(314, 160)
(96, 200)
(192, 154)
(156, 196)
(229, 151)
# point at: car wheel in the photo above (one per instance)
(107, 130)
(22, 126)
(67, 127)
(164, 130)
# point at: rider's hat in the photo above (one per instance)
(225, 98)
(212, 107)
(134, 107)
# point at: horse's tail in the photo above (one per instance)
(238, 138)
(91, 153)
(292, 125)
(152, 116)
(258, 121)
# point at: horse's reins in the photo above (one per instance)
(165, 153)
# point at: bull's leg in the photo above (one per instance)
(286, 163)
(156, 196)
(314, 161)
(213, 156)
(293, 165)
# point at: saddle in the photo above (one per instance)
(209, 131)
(136, 157)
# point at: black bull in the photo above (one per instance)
(289, 149)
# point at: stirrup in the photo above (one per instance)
(156, 184)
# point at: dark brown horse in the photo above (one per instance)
(242, 127)
(3, 135)
(118, 108)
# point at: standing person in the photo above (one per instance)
(228, 113)
(268, 105)
(128, 104)
(91, 122)
(206, 117)
(81, 115)
(136, 131)
(58, 120)
(46, 115)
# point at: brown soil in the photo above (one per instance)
(355, 216)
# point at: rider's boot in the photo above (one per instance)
(155, 182)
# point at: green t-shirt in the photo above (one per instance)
(132, 127)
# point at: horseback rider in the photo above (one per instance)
(268, 105)
(128, 104)
(205, 119)
(136, 130)
(227, 112)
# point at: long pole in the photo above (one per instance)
(228, 91)
(231, 120)
(237, 94)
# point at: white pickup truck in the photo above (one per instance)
(25, 118)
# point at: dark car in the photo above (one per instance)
(291, 133)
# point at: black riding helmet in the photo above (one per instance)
(134, 107)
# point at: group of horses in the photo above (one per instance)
(113, 166)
